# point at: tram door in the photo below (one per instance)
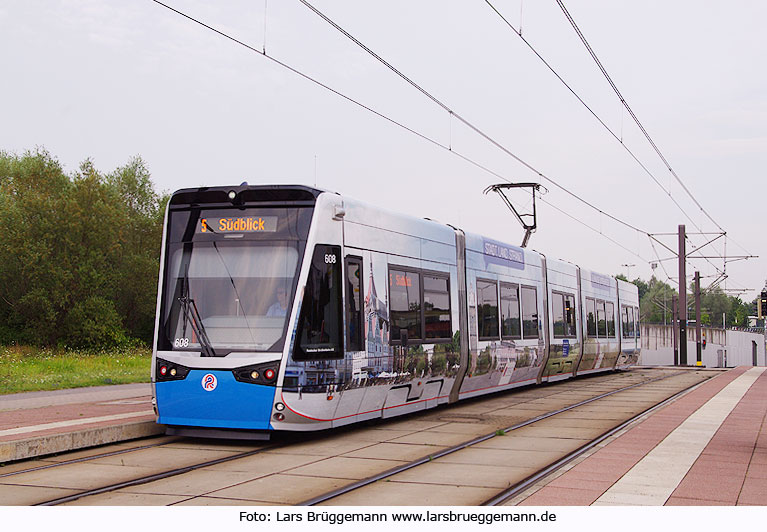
(753, 351)
(354, 314)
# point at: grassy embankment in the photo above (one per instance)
(26, 369)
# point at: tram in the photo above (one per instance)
(294, 309)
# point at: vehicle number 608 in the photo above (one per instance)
(181, 342)
(330, 259)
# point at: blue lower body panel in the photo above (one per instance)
(219, 401)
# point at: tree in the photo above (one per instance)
(33, 278)
(655, 304)
(737, 315)
(716, 303)
(138, 261)
(642, 286)
(79, 256)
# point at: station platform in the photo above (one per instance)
(707, 448)
(42, 423)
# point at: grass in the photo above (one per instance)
(26, 369)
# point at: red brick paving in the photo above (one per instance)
(602, 469)
(51, 414)
(754, 491)
(725, 488)
(69, 412)
(557, 496)
(757, 471)
(730, 468)
(84, 426)
(681, 501)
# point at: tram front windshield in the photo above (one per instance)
(230, 279)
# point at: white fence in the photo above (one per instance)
(724, 348)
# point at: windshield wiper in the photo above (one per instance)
(192, 315)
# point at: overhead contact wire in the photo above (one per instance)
(614, 135)
(418, 134)
(631, 112)
(335, 91)
(464, 121)
(595, 230)
(590, 110)
(652, 143)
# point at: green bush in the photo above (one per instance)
(94, 322)
(79, 255)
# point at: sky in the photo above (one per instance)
(113, 79)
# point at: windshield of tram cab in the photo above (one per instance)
(230, 278)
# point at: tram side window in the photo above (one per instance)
(625, 322)
(601, 321)
(610, 320)
(591, 318)
(319, 334)
(570, 329)
(354, 324)
(436, 306)
(405, 297)
(529, 312)
(510, 325)
(636, 315)
(558, 313)
(419, 302)
(487, 309)
(632, 331)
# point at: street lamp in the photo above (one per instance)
(628, 270)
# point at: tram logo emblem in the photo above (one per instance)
(209, 382)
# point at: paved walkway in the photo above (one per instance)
(27, 400)
(39, 423)
(707, 448)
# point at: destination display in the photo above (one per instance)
(241, 224)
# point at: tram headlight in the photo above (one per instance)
(279, 416)
(279, 407)
(269, 374)
(232, 194)
(163, 370)
(254, 374)
(172, 372)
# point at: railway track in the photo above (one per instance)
(154, 477)
(511, 492)
(520, 486)
(88, 458)
(349, 492)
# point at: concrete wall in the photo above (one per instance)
(740, 347)
(728, 348)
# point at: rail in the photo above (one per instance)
(415, 463)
